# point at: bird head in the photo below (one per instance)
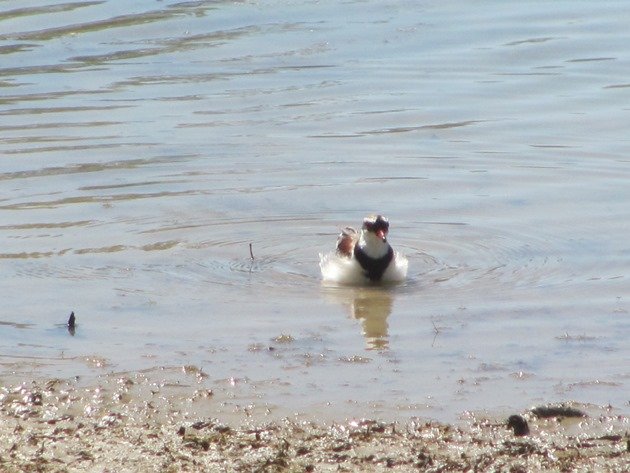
(378, 225)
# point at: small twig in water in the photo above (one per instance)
(436, 329)
(251, 252)
(436, 332)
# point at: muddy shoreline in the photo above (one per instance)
(133, 423)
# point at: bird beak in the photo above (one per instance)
(382, 234)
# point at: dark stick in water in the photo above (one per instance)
(71, 324)
(251, 252)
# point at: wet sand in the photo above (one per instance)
(135, 422)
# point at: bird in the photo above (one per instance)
(365, 256)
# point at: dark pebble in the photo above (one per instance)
(545, 412)
(519, 424)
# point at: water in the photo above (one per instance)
(144, 147)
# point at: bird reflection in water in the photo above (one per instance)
(371, 307)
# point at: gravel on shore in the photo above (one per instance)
(59, 426)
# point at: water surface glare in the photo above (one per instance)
(144, 145)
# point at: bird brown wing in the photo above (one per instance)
(346, 241)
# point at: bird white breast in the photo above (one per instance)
(373, 246)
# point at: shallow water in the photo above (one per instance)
(143, 148)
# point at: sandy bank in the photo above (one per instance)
(134, 424)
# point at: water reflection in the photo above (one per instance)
(371, 306)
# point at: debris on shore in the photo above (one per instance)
(57, 425)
